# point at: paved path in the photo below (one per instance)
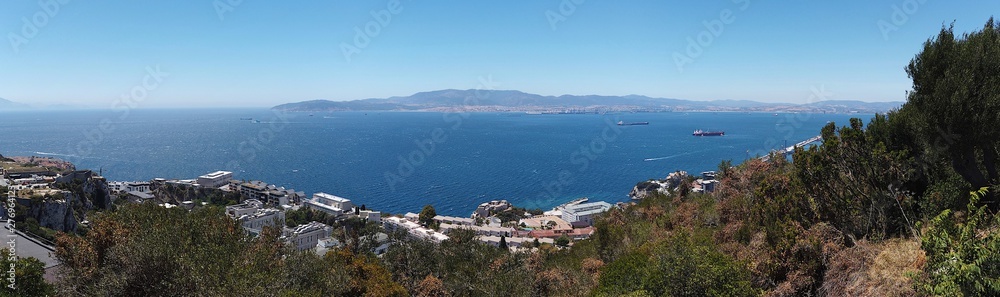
(29, 247)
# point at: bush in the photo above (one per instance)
(681, 265)
(963, 256)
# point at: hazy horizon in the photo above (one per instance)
(96, 107)
(251, 54)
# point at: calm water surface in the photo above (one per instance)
(399, 161)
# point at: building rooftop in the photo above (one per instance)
(417, 230)
(331, 197)
(256, 185)
(455, 219)
(587, 207)
(310, 227)
(141, 195)
(249, 203)
(260, 213)
(216, 174)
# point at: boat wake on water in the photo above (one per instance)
(54, 154)
(673, 156)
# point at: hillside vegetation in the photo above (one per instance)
(903, 204)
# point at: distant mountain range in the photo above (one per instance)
(7, 104)
(507, 100)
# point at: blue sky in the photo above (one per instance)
(263, 53)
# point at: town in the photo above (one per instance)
(49, 192)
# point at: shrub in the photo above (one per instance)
(963, 256)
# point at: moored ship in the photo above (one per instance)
(708, 133)
(623, 123)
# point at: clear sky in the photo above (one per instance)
(254, 53)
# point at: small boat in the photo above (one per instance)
(708, 133)
(246, 119)
(623, 123)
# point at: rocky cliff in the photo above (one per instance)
(646, 188)
(56, 212)
(91, 189)
(80, 191)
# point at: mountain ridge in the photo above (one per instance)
(8, 104)
(514, 100)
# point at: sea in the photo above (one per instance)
(397, 162)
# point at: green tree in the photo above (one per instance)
(152, 251)
(851, 180)
(956, 100)
(686, 266)
(503, 243)
(624, 275)
(28, 276)
(147, 250)
(427, 215)
(562, 241)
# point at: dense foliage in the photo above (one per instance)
(963, 258)
(147, 250)
(956, 102)
(28, 276)
(878, 209)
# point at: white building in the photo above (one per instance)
(412, 217)
(326, 244)
(330, 204)
(454, 220)
(184, 183)
(125, 187)
(413, 229)
(585, 212)
(269, 194)
(306, 236)
(487, 208)
(254, 217)
(707, 186)
(371, 216)
(215, 180)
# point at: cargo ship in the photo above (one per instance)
(708, 133)
(623, 123)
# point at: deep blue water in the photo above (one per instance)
(376, 158)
